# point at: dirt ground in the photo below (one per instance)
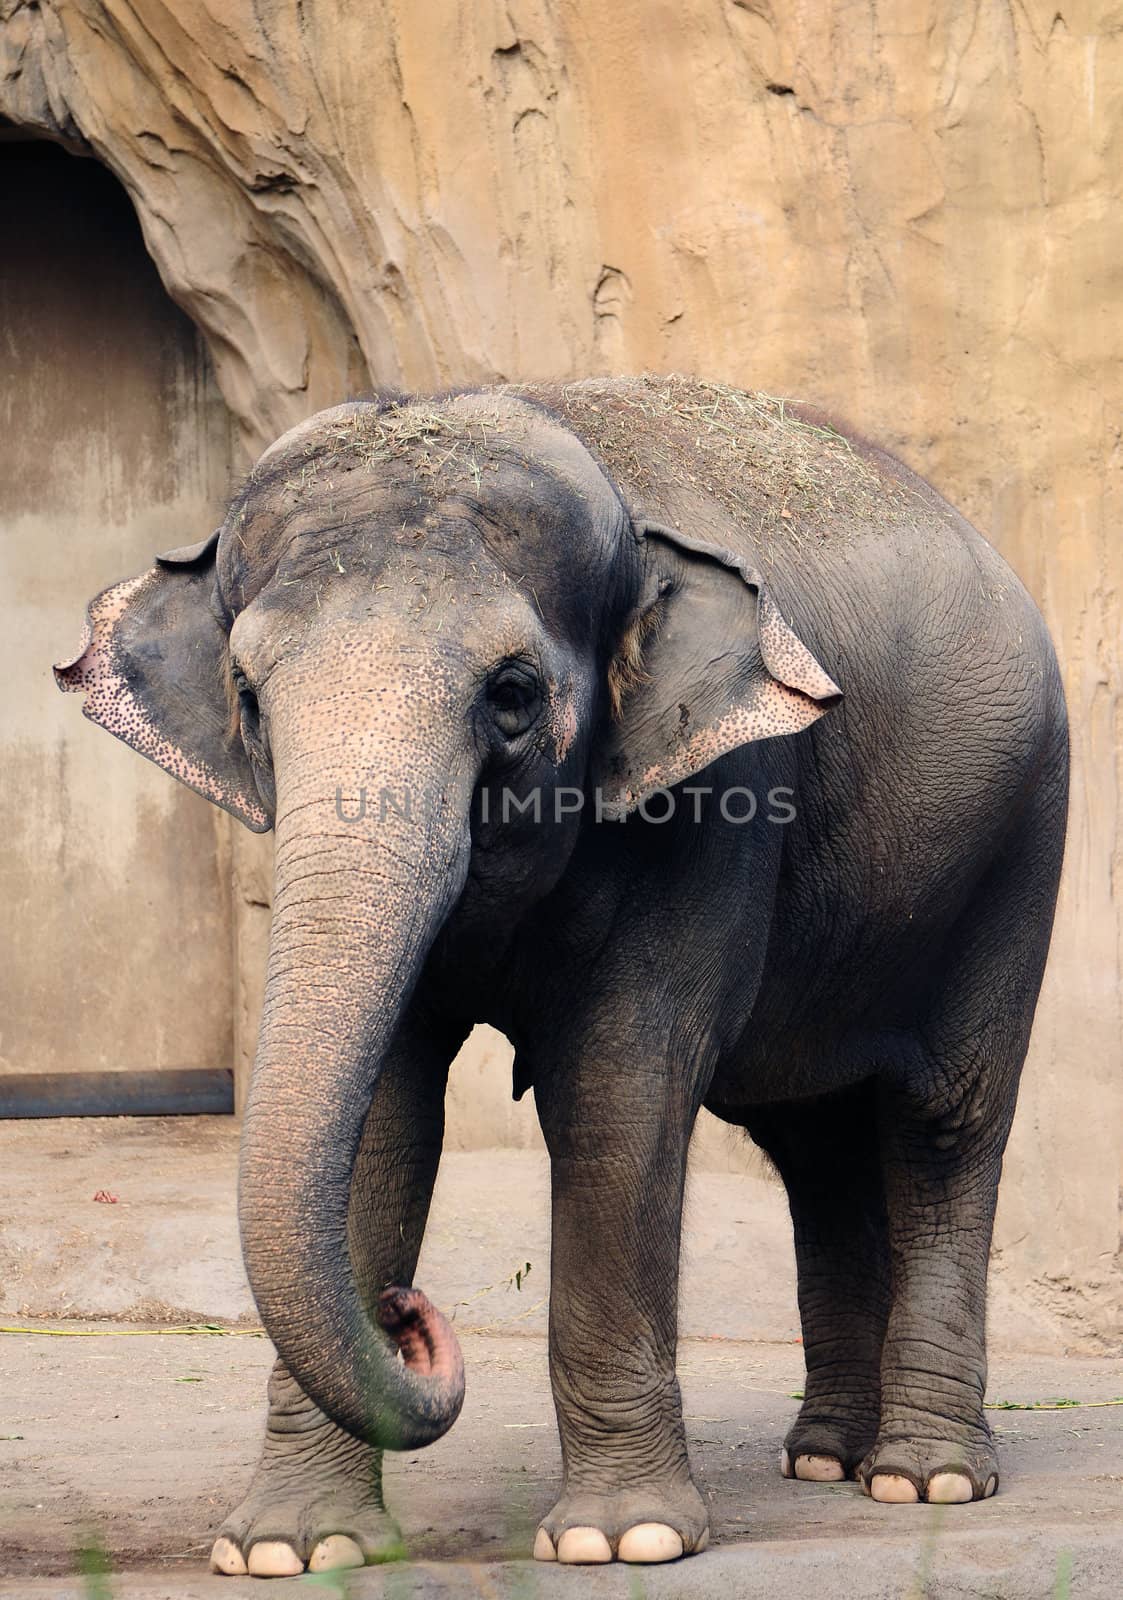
(132, 1444)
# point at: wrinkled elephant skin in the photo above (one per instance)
(714, 758)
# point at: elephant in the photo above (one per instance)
(703, 749)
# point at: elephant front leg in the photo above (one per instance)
(315, 1499)
(618, 1139)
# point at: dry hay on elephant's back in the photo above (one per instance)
(770, 466)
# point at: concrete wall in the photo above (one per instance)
(114, 442)
(908, 211)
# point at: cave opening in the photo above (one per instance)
(116, 990)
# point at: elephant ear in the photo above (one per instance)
(153, 667)
(706, 664)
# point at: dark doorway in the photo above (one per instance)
(114, 444)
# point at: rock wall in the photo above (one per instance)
(907, 211)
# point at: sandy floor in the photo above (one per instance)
(136, 1444)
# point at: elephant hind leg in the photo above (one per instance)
(944, 1122)
(826, 1151)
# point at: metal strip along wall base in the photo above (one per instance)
(190, 1091)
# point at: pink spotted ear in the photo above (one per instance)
(708, 664)
(152, 668)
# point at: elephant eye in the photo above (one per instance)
(514, 699)
(249, 714)
(241, 682)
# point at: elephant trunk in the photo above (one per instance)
(359, 900)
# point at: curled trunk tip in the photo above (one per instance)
(428, 1347)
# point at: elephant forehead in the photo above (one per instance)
(484, 481)
(387, 550)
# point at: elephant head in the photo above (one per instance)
(409, 606)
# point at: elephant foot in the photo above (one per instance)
(905, 1471)
(827, 1446)
(279, 1534)
(660, 1523)
(315, 1501)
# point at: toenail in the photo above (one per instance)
(786, 1464)
(337, 1550)
(227, 1558)
(650, 1542)
(273, 1558)
(890, 1489)
(819, 1469)
(992, 1485)
(949, 1489)
(544, 1547)
(585, 1546)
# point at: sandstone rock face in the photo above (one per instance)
(908, 212)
